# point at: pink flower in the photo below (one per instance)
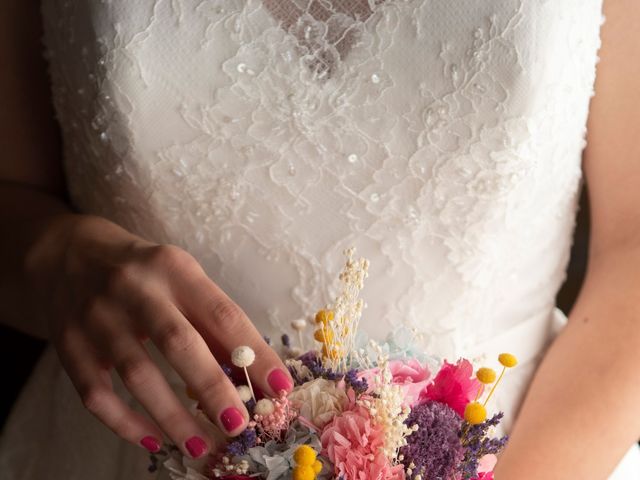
(484, 476)
(454, 385)
(485, 467)
(412, 376)
(353, 444)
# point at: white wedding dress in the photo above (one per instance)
(441, 138)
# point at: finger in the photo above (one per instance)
(93, 384)
(147, 384)
(223, 323)
(189, 355)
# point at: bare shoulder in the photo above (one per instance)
(612, 155)
(28, 132)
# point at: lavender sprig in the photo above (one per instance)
(314, 364)
(477, 444)
(359, 385)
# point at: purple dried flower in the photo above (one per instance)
(359, 385)
(477, 444)
(314, 363)
(435, 449)
(286, 341)
(243, 442)
(250, 404)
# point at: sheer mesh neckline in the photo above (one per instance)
(326, 30)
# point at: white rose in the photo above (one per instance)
(319, 401)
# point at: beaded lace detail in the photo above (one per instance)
(441, 138)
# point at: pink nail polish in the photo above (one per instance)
(231, 418)
(196, 447)
(151, 444)
(279, 381)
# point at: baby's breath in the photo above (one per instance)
(388, 410)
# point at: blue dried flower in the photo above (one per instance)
(286, 341)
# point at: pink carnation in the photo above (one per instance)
(454, 385)
(353, 444)
(410, 374)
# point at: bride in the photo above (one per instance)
(217, 157)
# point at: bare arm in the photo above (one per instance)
(99, 291)
(31, 182)
(581, 412)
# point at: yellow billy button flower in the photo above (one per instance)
(305, 458)
(323, 335)
(475, 413)
(317, 467)
(486, 375)
(507, 360)
(303, 472)
(324, 316)
(304, 455)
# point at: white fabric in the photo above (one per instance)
(442, 139)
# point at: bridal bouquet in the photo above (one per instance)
(372, 412)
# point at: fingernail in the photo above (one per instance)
(231, 419)
(196, 447)
(151, 444)
(279, 381)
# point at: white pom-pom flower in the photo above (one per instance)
(299, 324)
(243, 356)
(264, 407)
(244, 392)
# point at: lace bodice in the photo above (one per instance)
(440, 138)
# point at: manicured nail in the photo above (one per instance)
(278, 381)
(151, 444)
(231, 419)
(196, 447)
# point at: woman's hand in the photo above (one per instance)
(106, 292)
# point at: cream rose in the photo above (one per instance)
(319, 401)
